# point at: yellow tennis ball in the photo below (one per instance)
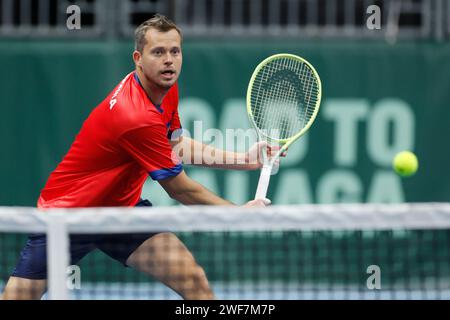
(405, 163)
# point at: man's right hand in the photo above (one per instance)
(258, 203)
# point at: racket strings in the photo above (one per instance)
(279, 102)
(283, 98)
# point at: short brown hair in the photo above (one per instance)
(159, 22)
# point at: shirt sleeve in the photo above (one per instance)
(150, 147)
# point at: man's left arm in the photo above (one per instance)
(197, 153)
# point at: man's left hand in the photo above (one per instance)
(254, 158)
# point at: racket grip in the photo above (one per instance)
(263, 183)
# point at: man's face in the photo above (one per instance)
(161, 58)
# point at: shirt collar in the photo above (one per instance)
(157, 106)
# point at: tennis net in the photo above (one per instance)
(348, 251)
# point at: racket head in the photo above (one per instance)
(284, 94)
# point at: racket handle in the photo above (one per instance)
(263, 183)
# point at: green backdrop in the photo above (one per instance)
(378, 100)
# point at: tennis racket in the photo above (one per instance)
(283, 98)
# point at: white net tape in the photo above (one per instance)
(305, 245)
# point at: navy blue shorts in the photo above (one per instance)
(119, 246)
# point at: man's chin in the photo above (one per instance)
(166, 85)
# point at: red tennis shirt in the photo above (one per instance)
(125, 138)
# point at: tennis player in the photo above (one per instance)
(127, 137)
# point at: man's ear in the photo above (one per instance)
(137, 58)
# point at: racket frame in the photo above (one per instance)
(266, 171)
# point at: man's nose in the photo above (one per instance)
(168, 58)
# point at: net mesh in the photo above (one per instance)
(305, 252)
(284, 97)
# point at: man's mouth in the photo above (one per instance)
(168, 73)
